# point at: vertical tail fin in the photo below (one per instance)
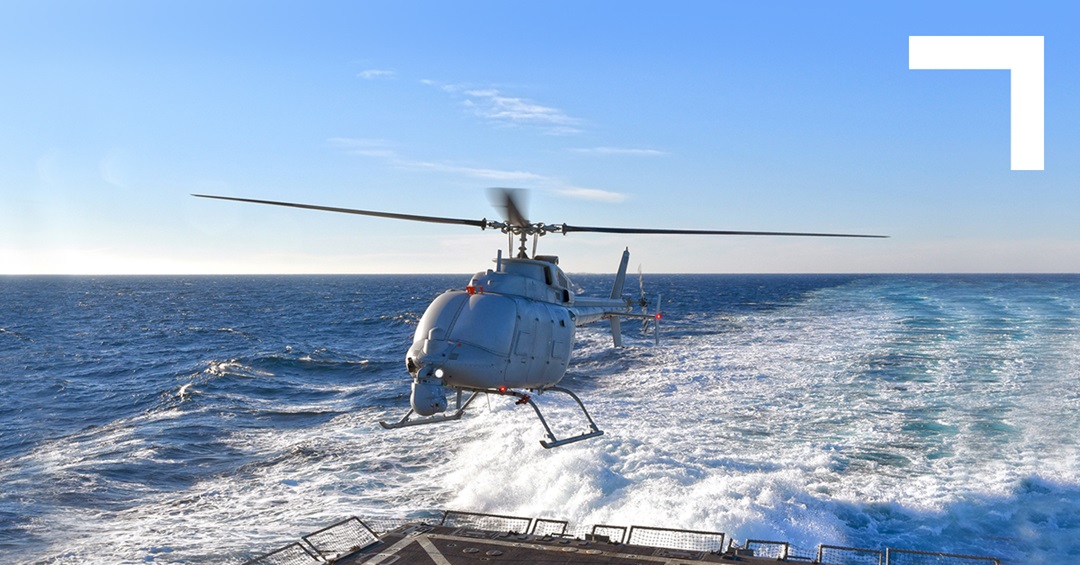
(620, 277)
(616, 292)
(616, 330)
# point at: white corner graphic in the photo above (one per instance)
(1021, 55)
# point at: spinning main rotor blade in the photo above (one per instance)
(567, 229)
(507, 200)
(514, 217)
(413, 217)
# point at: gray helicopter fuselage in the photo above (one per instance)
(512, 327)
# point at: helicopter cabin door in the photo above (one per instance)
(541, 346)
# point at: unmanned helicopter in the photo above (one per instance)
(510, 331)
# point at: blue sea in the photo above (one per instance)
(210, 419)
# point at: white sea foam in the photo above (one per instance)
(774, 430)
(851, 418)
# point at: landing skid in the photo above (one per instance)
(523, 398)
(420, 421)
(555, 442)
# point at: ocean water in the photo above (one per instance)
(210, 419)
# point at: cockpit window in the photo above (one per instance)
(563, 281)
(486, 321)
(440, 314)
(525, 269)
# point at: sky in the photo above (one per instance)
(776, 116)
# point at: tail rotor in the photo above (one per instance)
(644, 303)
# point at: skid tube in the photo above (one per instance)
(556, 442)
(406, 422)
(522, 397)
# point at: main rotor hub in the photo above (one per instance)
(523, 231)
(538, 228)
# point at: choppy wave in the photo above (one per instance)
(927, 412)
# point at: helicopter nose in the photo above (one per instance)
(467, 336)
(429, 354)
(425, 362)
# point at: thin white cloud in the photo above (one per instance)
(382, 150)
(627, 151)
(476, 172)
(490, 103)
(373, 74)
(377, 148)
(594, 194)
(495, 106)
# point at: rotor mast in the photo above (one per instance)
(522, 233)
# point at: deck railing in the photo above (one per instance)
(351, 535)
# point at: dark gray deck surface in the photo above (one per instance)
(443, 545)
(468, 538)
